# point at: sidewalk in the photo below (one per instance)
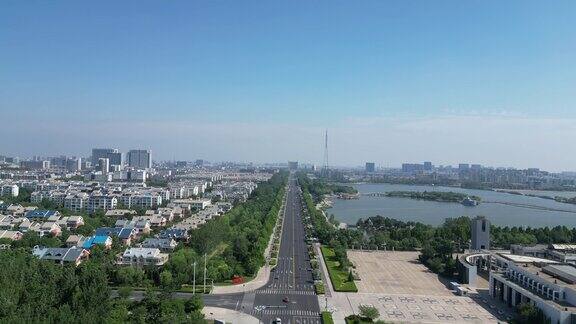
(328, 289)
(337, 303)
(228, 315)
(260, 280)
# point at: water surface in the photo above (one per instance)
(434, 213)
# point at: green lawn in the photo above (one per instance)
(338, 277)
(199, 288)
(327, 318)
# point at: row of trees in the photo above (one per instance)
(235, 242)
(325, 229)
(313, 190)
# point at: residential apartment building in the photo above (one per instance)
(141, 257)
(140, 159)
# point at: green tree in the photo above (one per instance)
(194, 304)
(166, 280)
(528, 313)
(350, 276)
(124, 292)
(368, 311)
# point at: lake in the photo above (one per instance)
(500, 208)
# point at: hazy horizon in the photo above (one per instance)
(486, 82)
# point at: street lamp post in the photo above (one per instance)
(204, 288)
(194, 281)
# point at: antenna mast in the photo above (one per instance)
(326, 168)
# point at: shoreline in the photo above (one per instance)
(496, 189)
(537, 212)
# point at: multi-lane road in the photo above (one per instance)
(289, 294)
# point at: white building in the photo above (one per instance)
(101, 202)
(142, 257)
(11, 190)
(547, 284)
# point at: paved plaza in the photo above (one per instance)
(423, 309)
(404, 290)
(395, 273)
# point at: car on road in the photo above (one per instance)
(278, 320)
(286, 299)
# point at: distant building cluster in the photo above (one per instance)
(472, 175)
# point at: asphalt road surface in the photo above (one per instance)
(289, 294)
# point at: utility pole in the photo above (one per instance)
(194, 282)
(204, 288)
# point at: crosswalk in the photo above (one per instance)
(283, 312)
(306, 320)
(285, 286)
(285, 292)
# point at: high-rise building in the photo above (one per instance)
(35, 165)
(428, 166)
(74, 164)
(140, 159)
(101, 153)
(115, 159)
(463, 166)
(476, 167)
(58, 162)
(480, 233)
(370, 167)
(104, 165)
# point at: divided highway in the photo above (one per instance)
(289, 294)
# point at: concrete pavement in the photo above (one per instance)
(228, 315)
(261, 279)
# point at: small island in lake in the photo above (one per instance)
(440, 196)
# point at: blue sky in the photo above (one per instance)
(167, 74)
